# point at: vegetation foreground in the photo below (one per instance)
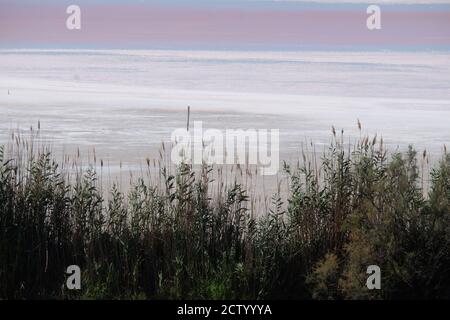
(172, 239)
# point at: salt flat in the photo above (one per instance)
(124, 103)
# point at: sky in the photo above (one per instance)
(221, 24)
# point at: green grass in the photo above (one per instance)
(169, 238)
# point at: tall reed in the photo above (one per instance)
(184, 234)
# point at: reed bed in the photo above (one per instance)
(192, 234)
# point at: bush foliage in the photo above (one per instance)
(171, 239)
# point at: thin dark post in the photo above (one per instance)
(188, 115)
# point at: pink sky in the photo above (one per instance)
(128, 26)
